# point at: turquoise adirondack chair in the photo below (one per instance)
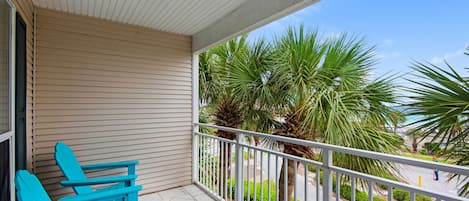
(28, 188)
(76, 178)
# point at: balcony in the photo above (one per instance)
(260, 167)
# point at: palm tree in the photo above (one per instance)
(233, 79)
(416, 135)
(442, 99)
(330, 98)
(397, 118)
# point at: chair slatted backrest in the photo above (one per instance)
(29, 188)
(70, 166)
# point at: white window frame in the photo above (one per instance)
(10, 134)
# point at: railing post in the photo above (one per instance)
(326, 175)
(195, 154)
(239, 169)
(195, 115)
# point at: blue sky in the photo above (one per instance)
(402, 30)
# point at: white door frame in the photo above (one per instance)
(10, 134)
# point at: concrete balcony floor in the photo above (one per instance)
(185, 193)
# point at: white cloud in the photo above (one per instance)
(441, 59)
(388, 55)
(388, 42)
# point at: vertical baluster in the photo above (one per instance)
(254, 174)
(231, 172)
(306, 181)
(276, 179)
(248, 174)
(352, 179)
(295, 166)
(268, 176)
(285, 166)
(222, 164)
(262, 173)
(227, 162)
(390, 197)
(199, 159)
(217, 171)
(206, 162)
(209, 174)
(318, 182)
(337, 186)
(412, 196)
(239, 169)
(214, 189)
(370, 191)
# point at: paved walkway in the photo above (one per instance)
(411, 173)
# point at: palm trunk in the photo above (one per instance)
(225, 170)
(290, 129)
(227, 114)
(290, 180)
(414, 144)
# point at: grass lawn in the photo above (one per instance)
(425, 157)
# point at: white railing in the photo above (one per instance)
(219, 170)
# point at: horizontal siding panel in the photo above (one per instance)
(164, 170)
(145, 166)
(107, 60)
(112, 122)
(60, 94)
(112, 112)
(57, 23)
(91, 150)
(103, 140)
(64, 36)
(111, 26)
(82, 63)
(77, 72)
(76, 118)
(112, 92)
(109, 48)
(105, 134)
(74, 130)
(160, 153)
(86, 100)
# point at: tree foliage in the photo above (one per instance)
(442, 99)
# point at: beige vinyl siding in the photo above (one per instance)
(4, 70)
(112, 92)
(26, 9)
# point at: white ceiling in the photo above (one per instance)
(178, 16)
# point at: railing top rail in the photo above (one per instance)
(461, 170)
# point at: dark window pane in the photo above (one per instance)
(4, 171)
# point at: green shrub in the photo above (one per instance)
(423, 152)
(346, 192)
(376, 198)
(389, 177)
(432, 147)
(265, 190)
(402, 195)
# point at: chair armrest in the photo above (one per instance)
(96, 196)
(109, 165)
(96, 181)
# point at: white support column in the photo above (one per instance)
(195, 114)
(327, 175)
(12, 77)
